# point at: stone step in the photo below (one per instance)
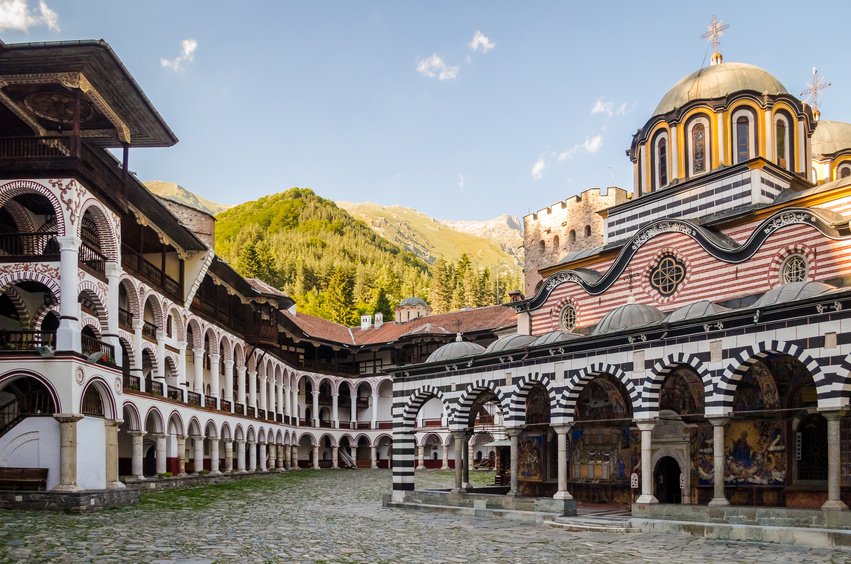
(592, 525)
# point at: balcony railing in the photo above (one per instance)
(193, 398)
(149, 330)
(156, 388)
(175, 394)
(23, 246)
(92, 260)
(92, 345)
(261, 414)
(211, 402)
(363, 425)
(432, 423)
(225, 405)
(239, 408)
(125, 319)
(131, 382)
(279, 418)
(26, 340)
(138, 264)
(251, 411)
(385, 424)
(35, 147)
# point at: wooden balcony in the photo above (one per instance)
(139, 266)
(131, 382)
(92, 345)
(24, 247)
(149, 330)
(125, 319)
(193, 398)
(92, 261)
(15, 341)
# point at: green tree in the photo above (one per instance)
(340, 298)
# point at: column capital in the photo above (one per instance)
(137, 433)
(214, 357)
(228, 364)
(646, 425)
(833, 413)
(198, 353)
(563, 429)
(718, 421)
(156, 435)
(513, 431)
(69, 243)
(112, 422)
(67, 417)
(239, 441)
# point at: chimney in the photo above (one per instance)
(365, 322)
(379, 319)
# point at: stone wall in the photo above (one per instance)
(548, 234)
(201, 223)
(69, 502)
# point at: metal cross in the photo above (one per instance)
(811, 92)
(714, 32)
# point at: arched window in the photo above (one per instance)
(555, 242)
(697, 147)
(587, 230)
(660, 161)
(542, 246)
(571, 237)
(781, 136)
(744, 136)
(844, 170)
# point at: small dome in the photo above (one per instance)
(454, 350)
(792, 292)
(555, 337)
(628, 316)
(703, 308)
(509, 342)
(717, 81)
(413, 301)
(831, 137)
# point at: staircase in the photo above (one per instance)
(597, 520)
(346, 461)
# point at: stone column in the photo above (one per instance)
(281, 457)
(374, 410)
(466, 461)
(136, 369)
(353, 418)
(335, 414)
(228, 456)
(459, 439)
(646, 463)
(240, 384)
(252, 388)
(262, 449)
(373, 454)
(316, 457)
(68, 333)
(181, 455)
(514, 437)
(229, 381)
(214, 457)
(181, 369)
(214, 375)
(261, 400)
(834, 501)
(287, 457)
(198, 459)
(138, 454)
(67, 448)
(252, 456)
(315, 407)
(272, 396)
(112, 481)
(562, 492)
(161, 454)
(198, 371)
(282, 404)
(113, 277)
(335, 452)
(240, 455)
(273, 456)
(421, 458)
(445, 465)
(718, 496)
(294, 458)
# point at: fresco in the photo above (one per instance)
(530, 459)
(755, 453)
(603, 453)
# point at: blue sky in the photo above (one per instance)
(390, 102)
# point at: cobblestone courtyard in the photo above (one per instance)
(336, 516)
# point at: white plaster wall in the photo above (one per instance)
(33, 443)
(91, 453)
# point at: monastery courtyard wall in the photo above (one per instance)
(290, 517)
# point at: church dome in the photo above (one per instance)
(831, 137)
(628, 316)
(555, 337)
(718, 81)
(509, 342)
(792, 292)
(455, 350)
(697, 310)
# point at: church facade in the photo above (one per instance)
(698, 354)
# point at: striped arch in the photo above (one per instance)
(517, 408)
(211, 337)
(133, 305)
(22, 219)
(107, 237)
(170, 360)
(415, 402)
(197, 333)
(14, 294)
(577, 382)
(48, 276)
(661, 370)
(460, 416)
(41, 313)
(178, 325)
(19, 187)
(156, 309)
(92, 322)
(126, 340)
(725, 391)
(16, 373)
(94, 294)
(155, 364)
(104, 390)
(238, 354)
(227, 349)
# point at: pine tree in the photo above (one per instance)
(340, 298)
(382, 304)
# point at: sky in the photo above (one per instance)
(462, 110)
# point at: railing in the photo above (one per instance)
(270, 415)
(363, 425)
(135, 262)
(239, 408)
(432, 423)
(156, 388)
(35, 147)
(304, 422)
(175, 394)
(15, 246)
(251, 411)
(225, 405)
(261, 414)
(149, 330)
(211, 403)
(125, 319)
(92, 259)
(26, 340)
(40, 404)
(279, 418)
(385, 424)
(131, 382)
(325, 424)
(91, 345)
(193, 398)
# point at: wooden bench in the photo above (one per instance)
(23, 478)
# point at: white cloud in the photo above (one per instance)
(16, 15)
(538, 169)
(434, 67)
(187, 54)
(460, 181)
(590, 146)
(602, 106)
(481, 42)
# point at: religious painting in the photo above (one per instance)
(702, 454)
(531, 457)
(601, 453)
(601, 399)
(682, 393)
(757, 390)
(755, 453)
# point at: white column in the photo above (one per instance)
(136, 369)
(198, 371)
(228, 456)
(335, 414)
(198, 459)
(834, 500)
(252, 456)
(445, 464)
(68, 334)
(374, 410)
(354, 416)
(769, 136)
(271, 395)
(111, 443)
(316, 407)
(229, 380)
(215, 389)
(240, 384)
(514, 437)
(160, 373)
(458, 438)
(261, 401)
(181, 368)
(316, 457)
(562, 492)
(646, 463)
(214, 456)
(252, 388)
(675, 154)
(373, 454)
(162, 456)
(136, 462)
(282, 405)
(240, 455)
(335, 453)
(718, 497)
(421, 458)
(285, 390)
(113, 272)
(262, 449)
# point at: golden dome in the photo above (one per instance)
(831, 137)
(717, 81)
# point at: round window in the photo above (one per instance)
(668, 274)
(567, 319)
(794, 269)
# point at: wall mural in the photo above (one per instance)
(755, 452)
(603, 453)
(530, 459)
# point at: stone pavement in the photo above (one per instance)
(336, 516)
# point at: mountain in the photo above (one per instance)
(177, 193)
(489, 244)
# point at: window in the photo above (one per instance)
(794, 269)
(567, 318)
(542, 246)
(668, 275)
(660, 161)
(781, 133)
(844, 171)
(587, 230)
(698, 148)
(744, 136)
(572, 236)
(555, 242)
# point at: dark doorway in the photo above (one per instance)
(149, 462)
(667, 480)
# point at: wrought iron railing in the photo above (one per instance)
(225, 405)
(211, 402)
(175, 394)
(239, 408)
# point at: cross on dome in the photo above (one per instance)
(812, 91)
(713, 34)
